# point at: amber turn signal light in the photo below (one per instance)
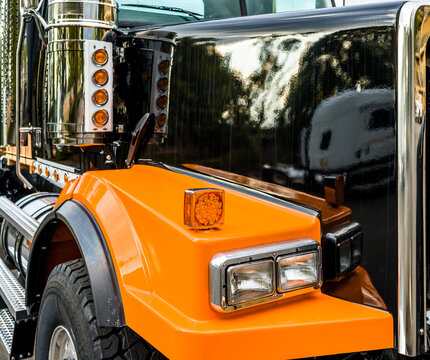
(46, 172)
(56, 176)
(100, 77)
(161, 120)
(100, 117)
(162, 84)
(204, 208)
(100, 57)
(39, 170)
(164, 67)
(162, 102)
(100, 97)
(32, 168)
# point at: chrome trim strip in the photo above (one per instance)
(245, 190)
(221, 261)
(59, 166)
(411, 106)
(86, 23)
(109, 3)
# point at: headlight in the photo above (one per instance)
(251, 276)
(250, 281)
(297, 271)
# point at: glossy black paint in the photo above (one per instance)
(290, 98)
(94, 250)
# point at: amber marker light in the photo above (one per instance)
(39, 170)
(100, 97)
(162, 84)
(100, 57)
(56, 176)
(100, 77)
(162, 102)
(164, 66)
(66, 178)
(32, 168)
(204, 208)
(100, 118)
(161, 120)
(46, 172)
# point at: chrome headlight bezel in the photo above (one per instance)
(222, 261)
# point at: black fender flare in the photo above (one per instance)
(95, 253)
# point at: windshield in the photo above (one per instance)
(141, 12)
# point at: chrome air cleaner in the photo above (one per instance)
(76, 31)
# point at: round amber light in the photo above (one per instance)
(101, 77)
(162, 84)
(39, 170)
(100, 57)
(209, 208)
(56, 176)
(66, 178)
(46, 172)
(100, 97)
(164, 67)
(161, 120)
(162, 102)
(100, 117)
(32, 168)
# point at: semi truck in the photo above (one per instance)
(214, 179)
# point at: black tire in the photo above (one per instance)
(68, 301)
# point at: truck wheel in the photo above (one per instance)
(67, 326)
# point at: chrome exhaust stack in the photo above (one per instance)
(9, 18)
(76, 30)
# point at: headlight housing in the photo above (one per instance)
(251, 276)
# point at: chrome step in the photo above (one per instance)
(7, 327)
(17, 337)
(17, 328)
(18, 218)
(12, 293)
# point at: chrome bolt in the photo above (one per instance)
(421, 331)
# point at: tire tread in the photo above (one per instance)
(108, 343)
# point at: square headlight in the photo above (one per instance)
(250, 281)
(297, 271)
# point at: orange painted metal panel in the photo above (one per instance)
(67, 191)
(305, 326)
(162, 270)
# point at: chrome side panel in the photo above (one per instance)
(413, 34)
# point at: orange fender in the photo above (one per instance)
(162, 267)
